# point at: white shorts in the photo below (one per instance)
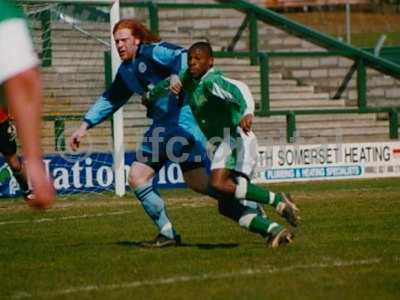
(237, 152)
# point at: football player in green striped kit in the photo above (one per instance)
(224, 108)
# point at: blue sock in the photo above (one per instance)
(155, 208)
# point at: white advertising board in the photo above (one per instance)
(328, 161)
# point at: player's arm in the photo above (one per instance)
(163, 88)
(246, 122)
(174, 59)
(226, 90)
(235, 93)
(108, 103)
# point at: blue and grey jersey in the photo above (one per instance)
(153, 63)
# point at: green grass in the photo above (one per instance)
(347, 247)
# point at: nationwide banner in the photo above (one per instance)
(87, 173)
(281, 163)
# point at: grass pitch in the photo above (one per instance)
(347, 247)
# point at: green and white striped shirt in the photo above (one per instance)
(16, 49)
(218, 103)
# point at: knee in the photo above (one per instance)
(139, 175)
(135, 180)
(217, 185)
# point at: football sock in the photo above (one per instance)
(262, 225)
(250, 191)
(233, 209)
(155, 208)
(254, 221)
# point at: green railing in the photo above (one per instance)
(362, 58)
(362, 107)
(46, 54)
(59, 128)
(269, 17)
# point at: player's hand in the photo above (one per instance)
(43, 189)
(246, 123)
(76, 137)
(175, 84)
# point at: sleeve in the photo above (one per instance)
(108, 103)
(161, 89)
(227, 90)
(175, 59)
(248, 97)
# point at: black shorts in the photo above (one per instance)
(8, 134)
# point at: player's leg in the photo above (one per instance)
(246, 213)
(140, 179)
(251, 219)
(141, 174)
(196, 165)
(239, 153)
(19, 174)
(246, 155)
(221, 181)
(8, 148)
(196, 177)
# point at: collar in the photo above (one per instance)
(208, 72)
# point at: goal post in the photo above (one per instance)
(118, 117)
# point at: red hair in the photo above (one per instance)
(138, 30)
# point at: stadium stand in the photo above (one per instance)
(76, 77)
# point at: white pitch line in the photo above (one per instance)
(206, 276)
(86, 216)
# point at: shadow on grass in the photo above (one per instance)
(203, 246)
